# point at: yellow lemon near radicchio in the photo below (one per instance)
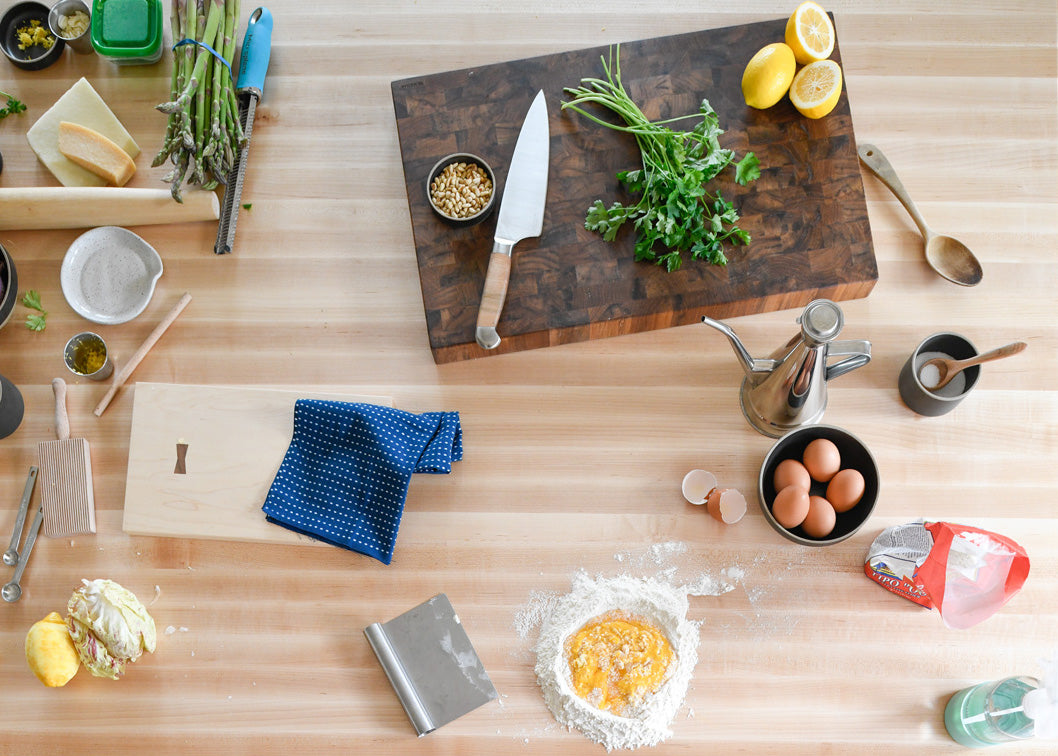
(768, 75)
(810, 34)
(816, 88)
(50, 651)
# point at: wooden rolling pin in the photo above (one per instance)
(137, 357)
(46, 207)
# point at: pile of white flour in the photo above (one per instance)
(660, 603)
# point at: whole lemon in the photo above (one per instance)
(50, 651)
(768, 75)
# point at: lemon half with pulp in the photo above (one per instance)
(810, 34)
(816, 88)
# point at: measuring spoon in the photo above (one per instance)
(11, 555)
(948, 368)
(949, 257)
(13, 591)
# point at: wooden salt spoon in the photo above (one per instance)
(946, 255)
(949, 368)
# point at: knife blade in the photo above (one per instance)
(521, 216)
(253, 65)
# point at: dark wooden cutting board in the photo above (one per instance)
(806, 214)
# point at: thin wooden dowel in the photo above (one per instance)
(137, 357)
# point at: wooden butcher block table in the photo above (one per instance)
(806, 213)
(573, 454)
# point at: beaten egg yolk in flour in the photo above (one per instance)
(617, 660)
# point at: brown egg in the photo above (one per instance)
(790, 472)
(822, 459)
(845, 490)
(790, 506)
(821, 517)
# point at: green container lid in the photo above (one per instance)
(127, 30)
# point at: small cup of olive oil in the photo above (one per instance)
(86, 355)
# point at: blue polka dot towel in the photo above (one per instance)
(345, 476)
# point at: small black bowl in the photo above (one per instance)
(32, 58)
(8, 286)
(854, 454)
(462, 157)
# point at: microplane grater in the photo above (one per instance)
(253, 65)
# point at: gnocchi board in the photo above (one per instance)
(235, 439)
(806, 214)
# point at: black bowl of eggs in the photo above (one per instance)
(818, 485)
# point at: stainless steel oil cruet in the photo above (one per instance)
(789, 389)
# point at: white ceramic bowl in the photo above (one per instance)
(108, 275)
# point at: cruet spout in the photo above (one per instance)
(756, 369)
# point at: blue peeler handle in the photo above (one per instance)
(256, 49)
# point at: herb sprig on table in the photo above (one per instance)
(13, 105)
(31, 299)
(674, 209)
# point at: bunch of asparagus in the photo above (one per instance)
(204, 133)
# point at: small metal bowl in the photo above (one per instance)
(854, 454)
(36, 57)
(82, 43)
(462, 157)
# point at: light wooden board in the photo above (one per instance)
(236, 438)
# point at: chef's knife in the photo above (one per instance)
(521, 216)
(253, 65)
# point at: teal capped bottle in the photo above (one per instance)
(1014, 708)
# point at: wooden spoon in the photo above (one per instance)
(949, 368)
(949, 257)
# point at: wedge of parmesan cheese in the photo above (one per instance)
(80, 104)
(90, 149)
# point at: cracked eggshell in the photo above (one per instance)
(697, 485)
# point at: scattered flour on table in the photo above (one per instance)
(657, 601)
(658, 554)
(530, 616)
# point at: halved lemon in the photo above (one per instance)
(768, 75)
(810, 34)
(816, 88)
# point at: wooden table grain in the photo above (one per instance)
(574, 453)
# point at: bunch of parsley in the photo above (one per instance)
(674, 209)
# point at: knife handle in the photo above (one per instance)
(256, 50)
(493, 295)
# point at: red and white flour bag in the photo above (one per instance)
(967, 573)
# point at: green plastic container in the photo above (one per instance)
(127, 31)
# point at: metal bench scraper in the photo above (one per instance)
(431, 664)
